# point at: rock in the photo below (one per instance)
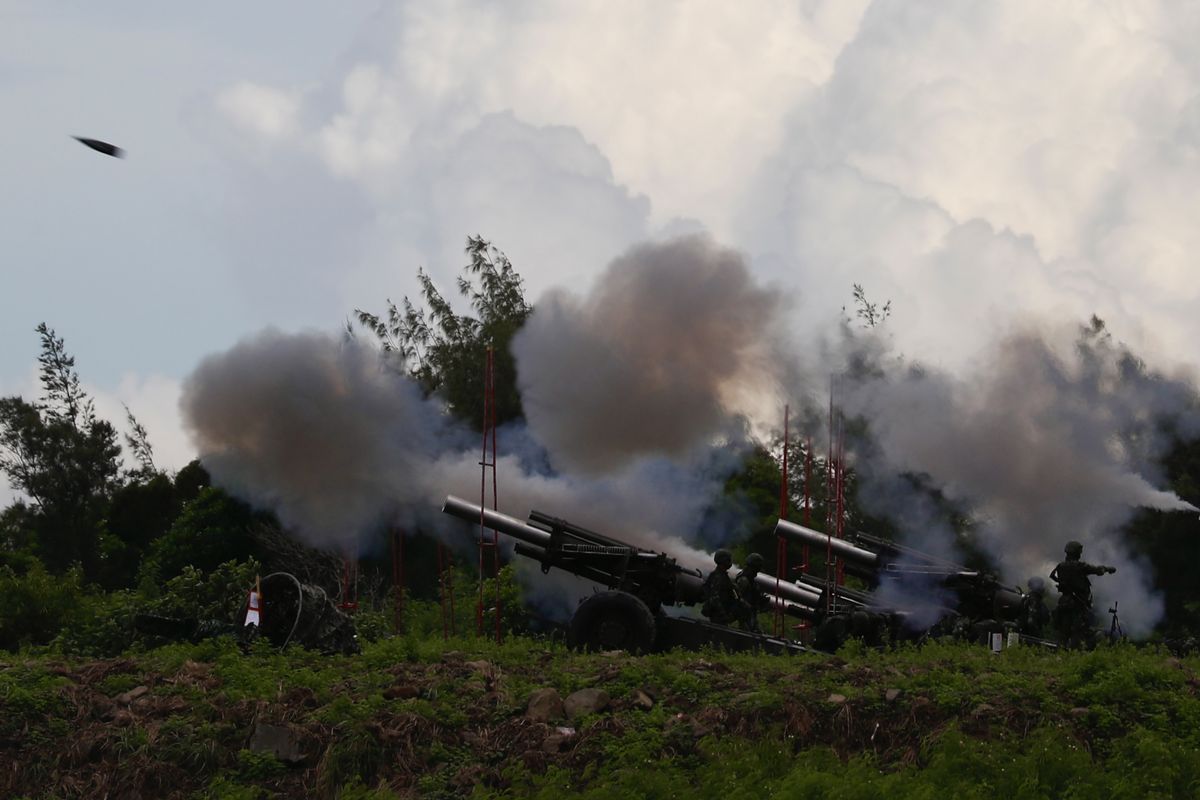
(131, 695)
(891, 694)
(836, 699)
(277, 740)
(1079, 712)
(585, 701)
(545, 705)
(401, 692)
(640, 699)
(554, 742)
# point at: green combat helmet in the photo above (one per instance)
(1073, 549)
(754, 562)
(723, 557)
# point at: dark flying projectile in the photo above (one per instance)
(101, 147)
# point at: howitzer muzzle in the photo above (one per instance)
(786, 590)
(794, 610)
(839, 547)
(457, 507)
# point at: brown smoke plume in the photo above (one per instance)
(672, 341)
(327, 435)
(315, 428)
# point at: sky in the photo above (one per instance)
(981, 166)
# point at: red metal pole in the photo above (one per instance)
(349, 582)
(804, 565)
(398, 579)
(491, 385)
(450, 587)
(829, 491)
(780, 542)
(841, 497)
(488, 461)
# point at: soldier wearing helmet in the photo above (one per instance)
(748, 592)
(1073, 615)
(721, 602)
(1035, 616)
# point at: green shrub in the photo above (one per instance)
(36, 605)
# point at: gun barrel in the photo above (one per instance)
(786, 590)
(840, 547)
(457, 507)
(794, 609)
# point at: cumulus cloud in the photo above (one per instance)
(977, 163)
(260, 110)
(970, 163)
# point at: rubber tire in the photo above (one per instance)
(612, 620)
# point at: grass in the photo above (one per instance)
(426, 717)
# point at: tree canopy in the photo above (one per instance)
(445, 351)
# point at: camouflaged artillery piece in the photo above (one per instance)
(630, 612)
(910, 594)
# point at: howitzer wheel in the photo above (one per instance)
(612, 621)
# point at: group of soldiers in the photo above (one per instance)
(739, 599)
(1072, 623)
(728, 600)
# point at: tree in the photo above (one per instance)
(65, 459)
(445, 352)
(211, 529)
(871, 314)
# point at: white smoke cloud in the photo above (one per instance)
(1050, 437)
(340, 446)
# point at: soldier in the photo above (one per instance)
(748, 592)
(1035, 616)
(721, 603)
(1073, 615)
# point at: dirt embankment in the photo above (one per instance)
(442, 724)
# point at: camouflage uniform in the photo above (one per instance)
(1035, 616)
(748, 592)
(1073, 616)
(721, 602)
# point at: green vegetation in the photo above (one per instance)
(92, 705)
(423, 717)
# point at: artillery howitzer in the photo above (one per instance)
(926, 594)
(639, 584)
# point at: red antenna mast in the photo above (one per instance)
(488, 462)
(398, 579)
(830, 490)
(349, 580)
(780, 542)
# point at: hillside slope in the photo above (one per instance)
(410, 718)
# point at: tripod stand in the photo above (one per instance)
(1115, 631)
